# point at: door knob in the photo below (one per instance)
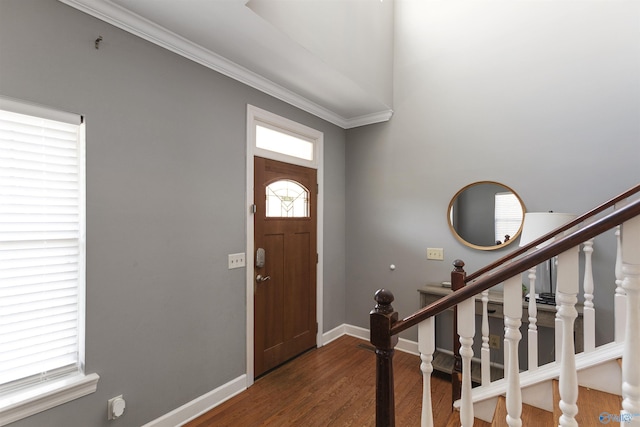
(260, 278)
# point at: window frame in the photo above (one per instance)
(259, 117)
(21, 402)
(286, 132)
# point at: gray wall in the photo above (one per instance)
(166, 151)
(541, 96)
(544, 97)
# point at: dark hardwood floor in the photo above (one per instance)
(330, 386)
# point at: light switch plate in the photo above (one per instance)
(435, 253)
(236, 260)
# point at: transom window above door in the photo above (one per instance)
(284, 143)
(286, 199)
(277, 138)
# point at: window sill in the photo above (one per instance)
(17, 406)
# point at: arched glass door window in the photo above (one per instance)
(287, 199)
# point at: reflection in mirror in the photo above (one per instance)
(486, 215)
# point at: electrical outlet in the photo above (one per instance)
(115, 407)
(494, 341)
(236, 260)
(435, 253)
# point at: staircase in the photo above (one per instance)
(541, 401)
(599, 376)
(597, 386)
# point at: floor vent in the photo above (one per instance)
(366, 347)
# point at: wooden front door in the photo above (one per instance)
(285, 286)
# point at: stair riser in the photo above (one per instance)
(606, 377)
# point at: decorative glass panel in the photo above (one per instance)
(287, 199)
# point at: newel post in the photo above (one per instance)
(381, 318)
(458, 277)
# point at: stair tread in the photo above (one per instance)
(591, 403)
(530, 416)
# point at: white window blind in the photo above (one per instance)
(42, 235)
(508, 215)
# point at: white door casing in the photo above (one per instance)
(257, 115)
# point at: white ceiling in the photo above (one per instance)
(332, 58)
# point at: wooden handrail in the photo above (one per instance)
(525, 263)
(474, 276)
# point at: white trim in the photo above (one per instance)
(408, 346)
(404, 345)
(320, 242)
(82, 265)
(333, 334)
(345, 329)
(38, 399)
(356, 331)
(369, 119)
(250, 258)
(276, 122)
(475, 359)
(126, 20)
(23, 107)
(200, 405)
(255, 114)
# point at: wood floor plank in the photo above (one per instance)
(330, 386)
(530, 416)
(454, 421)
(591, 404)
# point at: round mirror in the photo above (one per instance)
(486, 215)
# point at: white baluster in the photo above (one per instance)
(532, 333)
(620, 298)
(426, 346)
(558, 330)
(631, 285)
(466, 330)
(558, 334)
(566, 298)
(512, 321)
(589, 312)
(485, 352)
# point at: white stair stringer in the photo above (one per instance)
(597, 370)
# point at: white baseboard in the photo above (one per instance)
(357, 331)
(474, 359)
(201, 405)
(333, 334)
(408, 346)
(405, 345)
(210, 400)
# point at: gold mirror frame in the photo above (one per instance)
(476, 245)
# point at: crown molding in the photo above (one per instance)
(369, 119)
(124, 19)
